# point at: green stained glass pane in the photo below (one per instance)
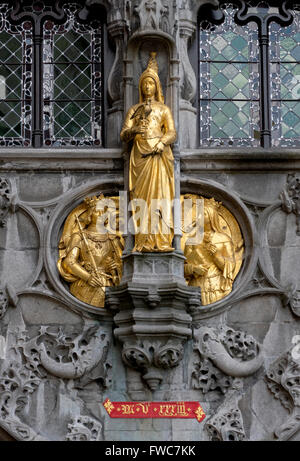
(10, 119)
(295, 52)
(240, 81)
(72, 119)
(11, 48)
(216, 132)
(288, 43)
(242, 119)
(290, 81)
(230, 91)
(219, 80)
(220, 118)
(290, 119)
(230, 109)
(215, 108)
(71, 47)
(219, 43)
(239, 43)
(72, 81)
(229, 53)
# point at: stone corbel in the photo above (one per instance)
(150, 356)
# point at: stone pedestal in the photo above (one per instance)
(152, 304)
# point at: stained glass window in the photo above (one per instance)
(50, 75)
(15, 81)
(250, 76)
(285, 83)
(72, 82)
(229, 83)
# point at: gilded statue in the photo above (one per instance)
(214, 262)
(149, 125)
(89, 259)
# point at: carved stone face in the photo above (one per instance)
(148, 87)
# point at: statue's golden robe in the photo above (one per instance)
(152, 176)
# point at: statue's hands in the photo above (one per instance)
(200, 269)
(211, 248)
(141, 128)
(158, 148)
(111, 265)
(94, 281)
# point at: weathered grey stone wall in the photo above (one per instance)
(60, 359)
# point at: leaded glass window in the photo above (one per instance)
(50, 74)
(15, 81)
(229, 83)
(249, 70)
(72, 82)
(285, 83)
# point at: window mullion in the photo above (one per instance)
(37, 122)
(265, 107)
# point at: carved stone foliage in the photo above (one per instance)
(5, 200)
(3, 302)
(283, 380)
(84, 429)
(16, 385)
(207, 377)
(58, 364)
(290, 198)
(62, 355)
(291, 298)
(227, 424)
(223, 353)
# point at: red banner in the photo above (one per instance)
(154, 410)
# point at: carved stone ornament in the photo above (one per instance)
(7, 297)
(283, 380)
(227, 424)
(148, 356)
(233, 352)
(148, 15)
(5, 200)
(84, 429)
(291, 298)
(290, 198)
(68, 357)
(3, 302)
(53, 364)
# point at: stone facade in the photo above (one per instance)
(60, 358)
